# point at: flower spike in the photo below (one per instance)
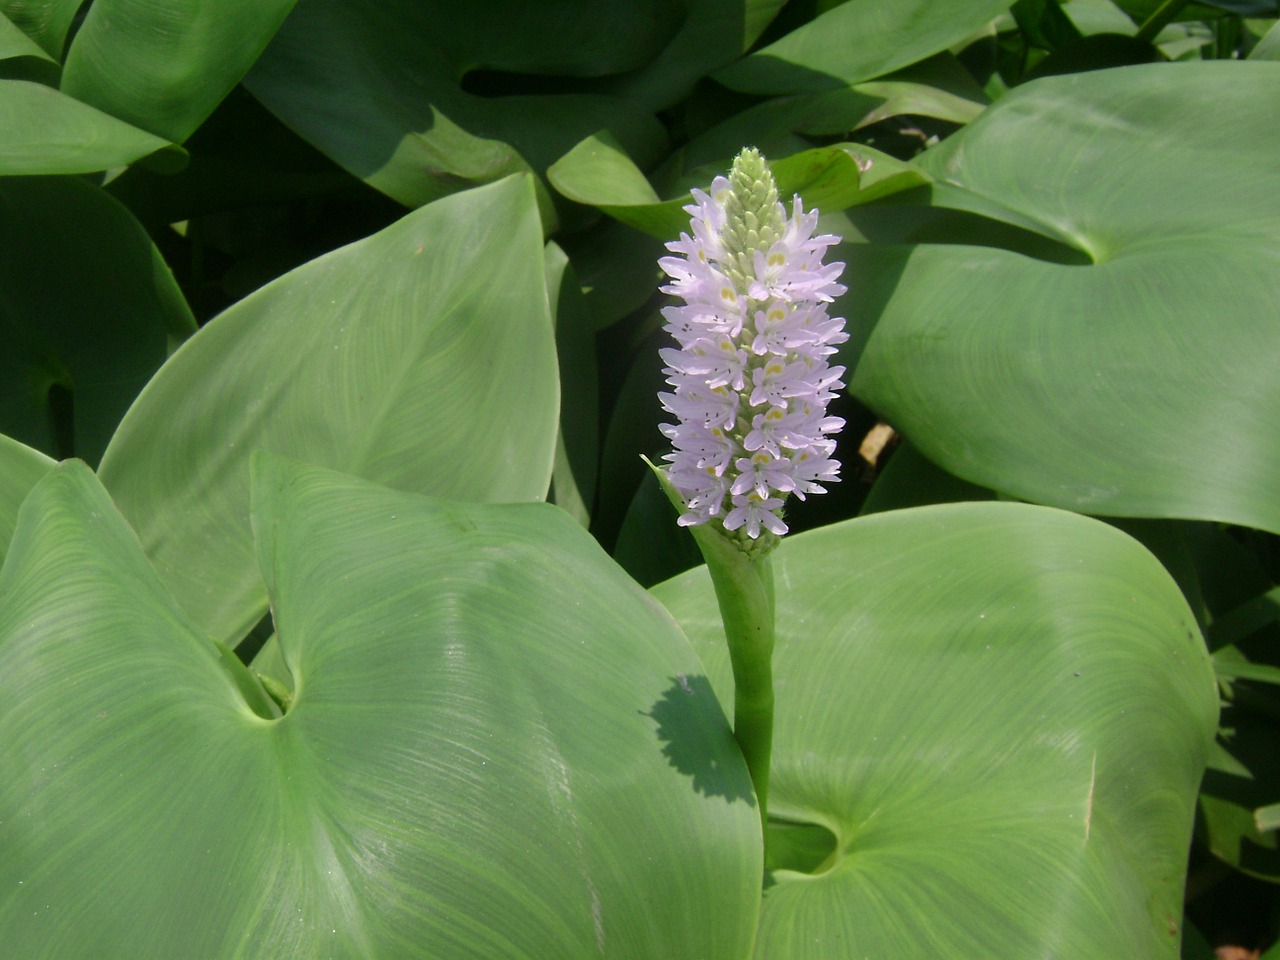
(750, 376)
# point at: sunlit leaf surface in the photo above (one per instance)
(1142, 383)
(991, 723)
(499, 746)
(422, 357)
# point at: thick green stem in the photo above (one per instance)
(744, 590)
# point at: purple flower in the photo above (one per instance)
(750, 376)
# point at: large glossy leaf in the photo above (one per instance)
(465, 772)
(1142, 383)
(163, 65)
(858, 40)
(377, 85)
(20, 469)
(422, 357)
(991, 723)
(88, 312)
(48, 132)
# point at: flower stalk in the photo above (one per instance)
(750, 387)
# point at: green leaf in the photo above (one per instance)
(617, 267)
(828, 177)
(991, 723)
(573, 481)
(49, 132)
(1152, 366)
(421, 357)
(76, 354)
(650, 547)
(1232, 626)
(424, 99)
(1268, 48)
(909, 480)
(22, 58)
(599, 173)
(780, 126)
(20, 469)
(712, 33)
(244, 162)
(464, 772)
(1044, 24)
(856, 41)
(163, 65)
(45, 22)
(631, 432)
(938, 87)
(1230, 664)
(1099, 16)
(1097, 52)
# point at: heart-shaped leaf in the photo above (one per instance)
(422, 357)
(499, 746)
(991, 723)
(1142, 383)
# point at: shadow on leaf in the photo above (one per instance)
(689, 725)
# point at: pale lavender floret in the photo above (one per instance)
(778, 380)
(810, 467)
(762, 472)
(792, 268)
(754, 512)
(703, 448)
(699, 403)
(720, 362)
(765, 431)
(704, 493)
(750, 376)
